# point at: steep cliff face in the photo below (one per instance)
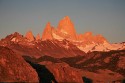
(29, 36)
(38, 37)
(47, 33)
(66, 30)
(66, 27)
(13, 68)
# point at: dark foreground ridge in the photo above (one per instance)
(45, 76)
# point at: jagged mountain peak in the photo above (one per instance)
(66, 21)
(66, 27)
(38, 36)
(47, 33)
(29, 35)
(88, 33)
(65, 31)
(14, 35)
(48, 25)
(66, 18)
(100, 39)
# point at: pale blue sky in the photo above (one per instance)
(106, 17)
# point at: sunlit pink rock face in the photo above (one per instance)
(66, 30)
(29, 36)
(38, 37)
(89, 38)
(66, 27)
(47, 33)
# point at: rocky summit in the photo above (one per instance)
(61, 55)
(29, 36)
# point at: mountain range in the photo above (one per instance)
(63, 54)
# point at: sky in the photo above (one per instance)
(106, 17)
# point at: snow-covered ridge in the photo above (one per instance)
(102, 47)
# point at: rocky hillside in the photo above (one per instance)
(13, 68)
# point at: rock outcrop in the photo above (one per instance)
(13, 68)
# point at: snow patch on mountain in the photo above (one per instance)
(55, 36)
